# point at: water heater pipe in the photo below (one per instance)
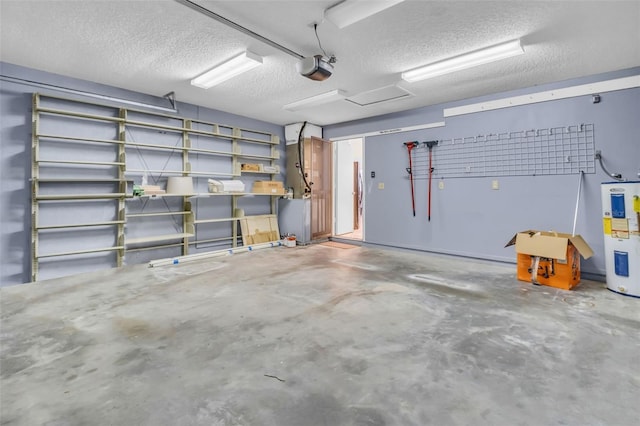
(616, 176)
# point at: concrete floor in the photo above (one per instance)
(318, 336)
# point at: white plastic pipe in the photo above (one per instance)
(218, 253)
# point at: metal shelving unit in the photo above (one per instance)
(78, 178)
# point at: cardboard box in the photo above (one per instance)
(259, 229)
(251, 167)
(268, 187)
(550, 258)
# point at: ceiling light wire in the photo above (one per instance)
(315, 29)
(332, 58)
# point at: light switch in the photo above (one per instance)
(380, 185)
(495, 184)
(441, 184)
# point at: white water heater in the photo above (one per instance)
(621, 223)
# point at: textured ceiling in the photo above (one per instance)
(157, 46)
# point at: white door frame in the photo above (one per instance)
(334, 181)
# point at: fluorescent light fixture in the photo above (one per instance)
(235, 66)
(467, 60)
(348, 12)
(323, 98)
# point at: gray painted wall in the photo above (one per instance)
(15, 169)
(468, 217)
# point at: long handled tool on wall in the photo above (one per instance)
(410, 146)
(430, 145)
(575, 215)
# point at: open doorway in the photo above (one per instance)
(348, 189)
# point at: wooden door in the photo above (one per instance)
(321, 195)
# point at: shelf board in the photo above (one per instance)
(211, 152)
(257, 156)
(219, 194)
(69, 253)
(203, 195)
(235, 194)
(80, 180)
(257, 172)
(82, 225)
(254, 140)
(223, 219)
(179, 148)
(182, 173)
(84, 163)
(210, 240)
(167, 172)
(79, 140)
(69, 197)
(213, 174)
(154, 196)
(80, 115)
(152, 214)
(154, 238)
(154, 247)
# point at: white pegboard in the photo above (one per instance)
(550, 151)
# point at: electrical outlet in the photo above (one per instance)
(441, 184)
(381, 185)
(495, 184)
